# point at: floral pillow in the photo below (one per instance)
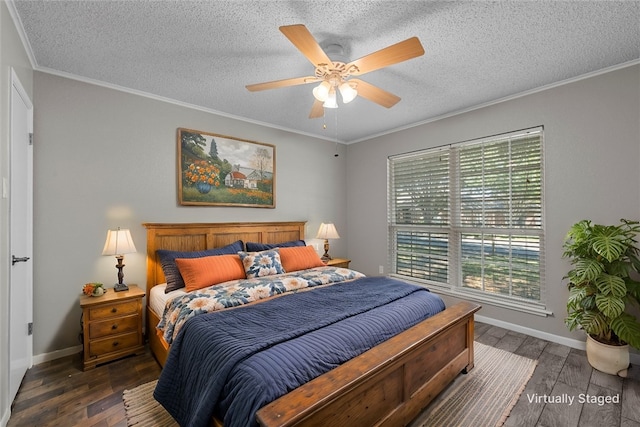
(259, 264)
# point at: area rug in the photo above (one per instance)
(486, 395)
(483, 397)
(143, 410)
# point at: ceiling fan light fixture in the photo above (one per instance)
(333, 74)
(321, 92)
(331, 101)
(348, 92)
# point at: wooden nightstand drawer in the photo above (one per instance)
(117, 343)
(118, 325)
(111, 326)
(113, 310)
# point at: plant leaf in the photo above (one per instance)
(576, 296)
(587, 270)
(635, 261)
(589, 303)
(611, 285)
(627, 329)
(573, 320)
(619, 268)
(609, 242)
(611, 306)
(633, 288)
(594, 323)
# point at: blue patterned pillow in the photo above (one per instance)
(259, 264)
(168, 262)
(256, 247)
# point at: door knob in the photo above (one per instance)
(15, 259)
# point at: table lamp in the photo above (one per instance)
(119, 242)
(326, 232)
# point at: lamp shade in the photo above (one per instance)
(327, 231)
(321, 92)
(348, 93)
(118, 242)
(331, 101)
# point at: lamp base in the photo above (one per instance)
(326, 257)
(119, 287)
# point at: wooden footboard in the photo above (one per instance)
(388, 385)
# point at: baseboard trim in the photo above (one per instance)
(46, 357)
(569, 342)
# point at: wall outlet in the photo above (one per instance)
(381, 269)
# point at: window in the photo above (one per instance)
(468, 218)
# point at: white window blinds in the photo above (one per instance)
(470, 216)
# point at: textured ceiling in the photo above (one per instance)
(203, 53)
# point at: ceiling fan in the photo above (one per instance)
(336, 76)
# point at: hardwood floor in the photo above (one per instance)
(59, 393)
(564, 371)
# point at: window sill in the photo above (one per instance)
(521, 306)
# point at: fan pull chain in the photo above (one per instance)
(336, 121)
(324, 127)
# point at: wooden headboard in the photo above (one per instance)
(201, 236)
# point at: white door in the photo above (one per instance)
(20, 237)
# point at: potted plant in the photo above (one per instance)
(605, 259)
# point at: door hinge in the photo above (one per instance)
(30, 328)
(30, 138)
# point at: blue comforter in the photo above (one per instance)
(231, 363)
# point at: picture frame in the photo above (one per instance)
(221, 170)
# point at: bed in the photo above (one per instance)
(387, 385)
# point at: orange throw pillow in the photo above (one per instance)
(299, 258)
(207, 271)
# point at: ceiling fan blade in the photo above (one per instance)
(282, 83)
(410, 48)
(306, 43)
(317, 110)
(375, 94)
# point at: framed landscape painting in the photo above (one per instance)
(219, 170)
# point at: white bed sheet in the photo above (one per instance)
(158, 299)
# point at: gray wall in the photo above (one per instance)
(105, 158)
(592, 153)
(12, 55)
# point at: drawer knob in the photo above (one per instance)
(115, 326)
(114, 310)
(115, 343)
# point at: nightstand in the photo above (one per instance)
(111, 326)
(339, 262)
